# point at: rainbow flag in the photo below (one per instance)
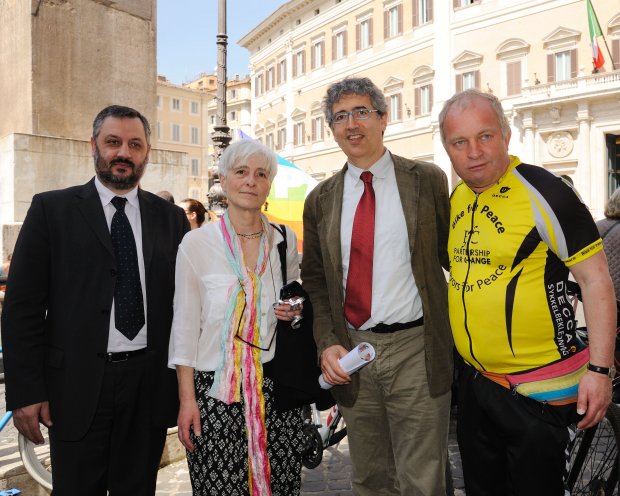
(285, 203)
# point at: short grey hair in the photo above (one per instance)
(240, 151)
(463, 99)
(353, 86)
(612, 209)
(120, 112)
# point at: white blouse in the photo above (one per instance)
(202, 281)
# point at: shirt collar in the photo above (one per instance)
(106, 194)
(379, 169)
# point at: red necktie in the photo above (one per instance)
(358, 299)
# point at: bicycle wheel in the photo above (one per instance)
(593, 458)
(313, 450)
(36, 459)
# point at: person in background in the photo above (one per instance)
(166, 195)
(225, 311)
(195, 211)
(516, 231)
(384, 286)
(87, 317)
(609, 230)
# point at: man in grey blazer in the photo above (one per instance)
(105, 392)
(397, 408)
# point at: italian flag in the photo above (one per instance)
(595, 32)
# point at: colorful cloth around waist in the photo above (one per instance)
(555, 384)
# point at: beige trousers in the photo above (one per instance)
(397, 433)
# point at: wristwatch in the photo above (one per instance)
(608, 371)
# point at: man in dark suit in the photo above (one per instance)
(87, 316)
(385, 287)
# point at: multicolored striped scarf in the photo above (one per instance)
(240, 368)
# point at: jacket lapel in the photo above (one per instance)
(407, 180)
(149, 230)
(331, 206)
(88, 204)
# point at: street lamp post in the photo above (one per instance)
(221, 132)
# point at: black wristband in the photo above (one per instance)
(608, 371)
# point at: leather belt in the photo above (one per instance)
(389, 328)
(123, 356)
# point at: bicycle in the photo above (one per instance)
(593, 462)
(35, 458)
(320, 436)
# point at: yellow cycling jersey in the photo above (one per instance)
(510, 248)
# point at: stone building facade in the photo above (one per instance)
(535, 55)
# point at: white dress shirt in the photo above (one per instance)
(117, 341)
(395, 296)
(203, 278)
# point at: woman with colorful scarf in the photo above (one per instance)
(228, 278)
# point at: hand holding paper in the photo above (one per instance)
(357, 358)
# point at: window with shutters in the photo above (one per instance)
(512, 54)
(363, 37)
(176, 104)
(269, 140)
(299, 63)
(158, 130)
(195, 138)
(176, 132)
(282, 71)
(339, 45)
(422, 12)
(471, 80)
(299, 137)
(318, 54)
(615, 53)
(194, 108)
(423, 100)
(395, 108)
(259, 88)
(317, 129)
(393, 21)
(195, 167)
(561, 65)
(513, 78)
(270, 78)
(561, 46)
(423, 77)
(281, 138)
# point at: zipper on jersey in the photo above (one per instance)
(474, 207)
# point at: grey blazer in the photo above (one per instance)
(423, 190)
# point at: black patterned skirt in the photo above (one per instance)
(219, 464)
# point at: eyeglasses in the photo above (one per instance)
(240, 338)
(360, 114)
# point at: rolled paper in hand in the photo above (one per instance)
(357, 358)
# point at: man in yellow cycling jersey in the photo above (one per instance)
(516, 232)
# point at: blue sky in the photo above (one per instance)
(186, 35)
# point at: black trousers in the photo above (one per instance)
(122, 449)
(510, 445)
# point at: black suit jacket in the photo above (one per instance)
(55, 322)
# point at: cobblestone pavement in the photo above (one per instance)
(331, 478)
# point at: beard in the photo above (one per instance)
(103, 169)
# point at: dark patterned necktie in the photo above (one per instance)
(358, 299)
(128, 302)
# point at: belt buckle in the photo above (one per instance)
(121, 356)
